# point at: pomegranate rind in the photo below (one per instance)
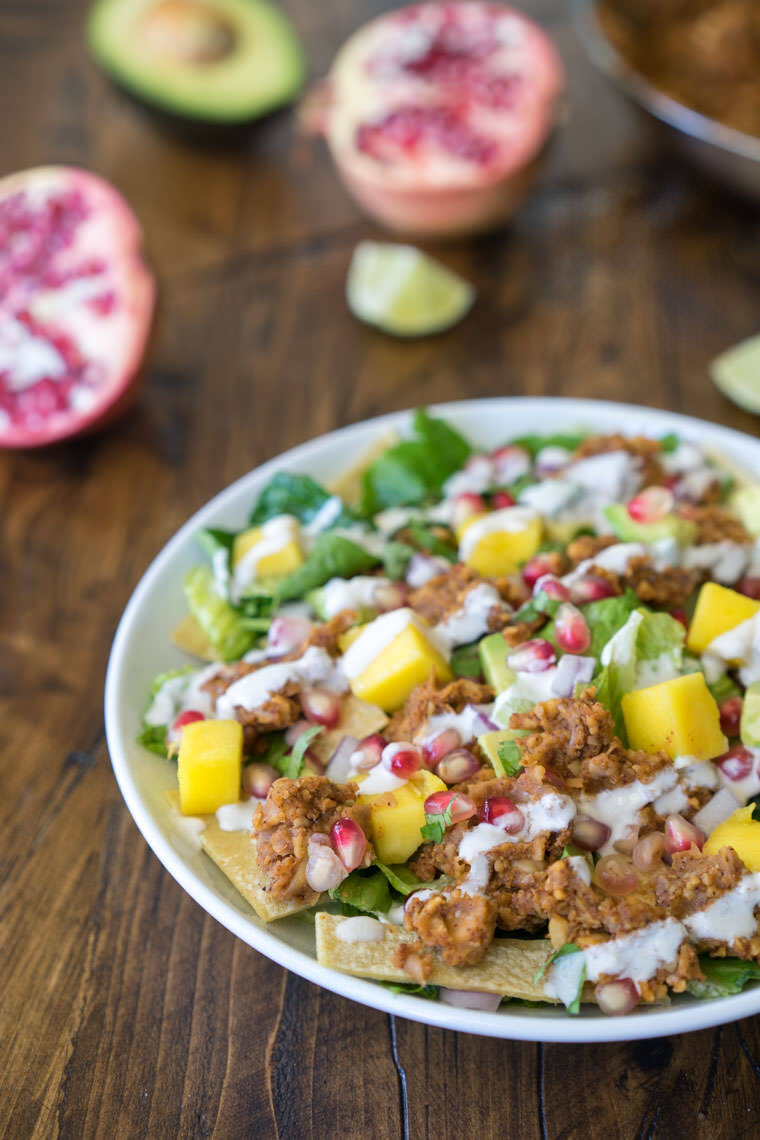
(441, 195)
(117, 340)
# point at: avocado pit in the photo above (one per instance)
(186, 31)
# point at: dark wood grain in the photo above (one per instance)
(124, 1010)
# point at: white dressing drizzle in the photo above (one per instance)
(362, 928)
(236, 817)
(471, 621)
(731, 916)
(619, 807)
(316, 667)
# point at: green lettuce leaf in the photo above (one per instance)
(429, 992)
(606, 617)
(414, 470)
(423, 538)
(723, 976)
(292, 764)
(299, 496)
(364, 892)
(400, 877)
(396, 558)
(332, 556)
(465, 661)
(225, 627)
(153, 737)
(535, 443)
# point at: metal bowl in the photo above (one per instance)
(726, 154)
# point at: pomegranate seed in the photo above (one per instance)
(368, 754)
(532, 656)
(680, 835)
(750, 587)
(390, 596)
(189, 716)
(501, 499)
(467, 505)
(571, 629)
(324, 869)
(737, 763)
(731, 715)
(293, 731)
(648, 852)
(590, 834)
(349, 842)
(627, 842)
(550, 585)
(321, 707)
(439, 746)
(501, 812)
(617, 997)
(616, 875)
(462, 807)
(537, 567)
(591, 589)
(258, 779)
(286, 634)
(458, 766)
(651, 505)
(403, 760)
(680, 615)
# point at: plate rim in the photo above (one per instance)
(548, 1025)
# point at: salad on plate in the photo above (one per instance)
(490, 720)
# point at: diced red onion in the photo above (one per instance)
(481, 722)
(470, 999)
(286, 634)
(534, 656)
(716, 810)
(339, 764)
(572, 671)
(368, 754)
(293, 731)
(324, 869)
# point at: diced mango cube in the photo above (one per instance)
(679, 717)
(349, 637)
(718, 610)
(275, 564)
(396, 817)
(741, 832)
(500, 542)
(405, 662)
(209, 765)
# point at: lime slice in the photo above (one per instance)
(403, 291)
(737, 373)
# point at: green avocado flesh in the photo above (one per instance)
(627, 530)
(493, 659)
(750, 723)
(224, 61)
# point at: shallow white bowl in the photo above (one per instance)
(142, 648)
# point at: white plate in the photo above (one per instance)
(142, 648)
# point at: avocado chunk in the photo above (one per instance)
(223, 61)
(493, 652)
(749, 728)
(627, 530)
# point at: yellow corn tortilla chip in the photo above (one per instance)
(349, 484)
(357, 718)
(508, 968)
(189, 636)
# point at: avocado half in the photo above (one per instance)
(223, 61)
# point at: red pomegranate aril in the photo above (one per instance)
(436, 747)
(324, 869)
(736, 764)
(403, 760)
(390, 596)
(616, 875)
(467, 505)
(571, 629)
(533, 656)
(617, 997)
(258, 779)
(293, 731)
(681, 616)
(590, 834)
(461, 806)
(680, 835)
(502, 499)
(750, 587)
(651, 505)
(501, 812)
(731, 715)
(537, 567)
(591, 589)
(189, 716)
(368, 754)
(458, 766)
(321, 707)
(550, 585)
(349, 842)
(648, 852)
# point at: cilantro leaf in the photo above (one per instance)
(436, 825)
(292, 765)
(414, 470)
(540, 606)
(509, 754)
(723, 976)
(567, 948)
(669, 443)
(724, 688)
(365, 892)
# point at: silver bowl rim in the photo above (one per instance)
(669, 111)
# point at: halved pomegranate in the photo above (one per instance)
(436, 114)
(76, 302)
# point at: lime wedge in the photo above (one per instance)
(403, 291)
(737, 373)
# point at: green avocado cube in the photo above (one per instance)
(493, 652)
(628, 530)
(749, 728)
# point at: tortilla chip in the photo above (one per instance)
(357, 718)
(349, 484)
(509, 966)
(189, 636)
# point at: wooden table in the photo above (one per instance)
(125, 1010)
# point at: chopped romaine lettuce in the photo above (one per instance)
(414, 470)
(535, 443)
(226, 628)
(400, 877)
(332, 556)
(723, 976)
(465, 661)
(364, 892)
(303, 498)
(153, 737)
(429, 992)
(164, 701)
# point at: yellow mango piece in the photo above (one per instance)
(396, 817)
(741, 832)
(408, 660)
(500, 542)
(274, 565)
(209, 765)
(717, 611)
(679, 717)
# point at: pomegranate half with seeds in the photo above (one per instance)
(76, 302)
(436, 115)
